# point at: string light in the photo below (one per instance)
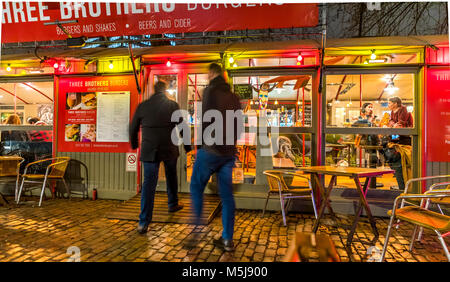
(111, 65)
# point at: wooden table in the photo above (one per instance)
(355, 173)
(9, 166)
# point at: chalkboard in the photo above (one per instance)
(244, 91)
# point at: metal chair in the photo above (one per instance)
(421, 179)
(54, 172)
(277, 185)
(420, 216)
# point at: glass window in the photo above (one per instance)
(172, 84)
(379, 57)
(307, 59)
(373, 151)
(286, 99)
(370, 100)
(26, 113)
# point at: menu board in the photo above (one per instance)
(244, 91)
(438, 115)
(113, 108)
(94, 113)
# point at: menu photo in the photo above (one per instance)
(88, 132)
(81, 101)
(72, 132)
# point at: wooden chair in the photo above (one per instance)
(10, 167)
(278, 186)
(420, 216)
(54, 172)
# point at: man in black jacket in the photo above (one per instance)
(217, 154)
(154, 115)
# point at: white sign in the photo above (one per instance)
(113, 111)
(131, 162)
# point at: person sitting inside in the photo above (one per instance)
(14, 135)
(397, 149)
(39, 135)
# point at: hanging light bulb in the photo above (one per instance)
(8, 68)
(111, 65)
(231, 59)
(56, 65)
(373, 56)
(235, 65)
(366, 62)
(276, 102)
(299, 57)
(251, 102)
(298, 103)
(168, 63)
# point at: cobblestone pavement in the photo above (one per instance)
(29, 233)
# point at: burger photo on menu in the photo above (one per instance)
(72, 132)
(84, 101)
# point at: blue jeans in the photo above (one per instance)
(151, 170)
(206, 164)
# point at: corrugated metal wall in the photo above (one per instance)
(108, 174)
(438, 168)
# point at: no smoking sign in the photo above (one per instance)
(131, 162)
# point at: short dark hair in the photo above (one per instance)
(396, 100)
(215, 68)
(160, 86)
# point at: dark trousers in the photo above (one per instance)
(397, 167)
(151, 170)
(205, 165)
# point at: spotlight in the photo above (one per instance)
(8, 68)
(111, 65)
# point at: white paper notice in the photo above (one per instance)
(113, 114)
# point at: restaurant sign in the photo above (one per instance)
(94, 113)
(125, 19)
(438, 115)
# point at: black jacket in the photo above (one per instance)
(155, 115)
(218, 96)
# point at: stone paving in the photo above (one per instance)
(36, 234)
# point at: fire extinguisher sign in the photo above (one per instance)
(131, 162)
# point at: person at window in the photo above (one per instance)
(400, 117)
(367, 117)
(397, 149)
(14, 135)
(39, 135)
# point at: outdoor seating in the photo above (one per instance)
(278, 186)
(54, 172)
(77, 178)
(10, 167)
(420, 216)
